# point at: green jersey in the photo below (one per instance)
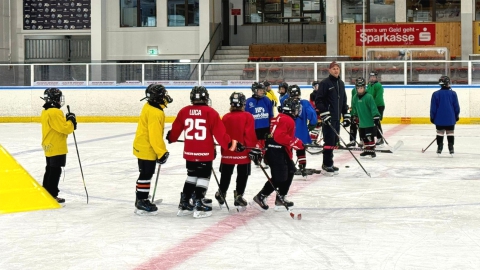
(365, 109)
(376, 90)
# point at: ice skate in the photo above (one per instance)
(335, 170)
(366, 154)
(351, 144)
(439, 149)
(59, 200)
(240, 203)
(328, 171)
(220, 199)
(279, 206)
(201, 209)
(184, 207)
(450, 149)
(260, 202)
(145, 208)
(206, 201)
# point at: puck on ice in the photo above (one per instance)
(347, 166)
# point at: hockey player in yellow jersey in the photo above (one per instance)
(55, 129)
(149, 146)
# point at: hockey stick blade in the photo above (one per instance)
(353, 149)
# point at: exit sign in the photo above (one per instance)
(152, 50)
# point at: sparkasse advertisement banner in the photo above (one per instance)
(395, 34)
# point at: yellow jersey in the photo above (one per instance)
(55, 130)
(149, 143)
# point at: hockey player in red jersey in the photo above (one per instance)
(200, 123)
(240, 126)
(280, 145)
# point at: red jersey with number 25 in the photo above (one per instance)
(200, 123)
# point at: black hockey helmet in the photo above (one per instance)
(53, 96)
(158, 94)
(199, 93)
(266, 83)
(283, 85)
(291, 106)
(294, 91)
(257, 86)
(315, 83)
(373, 73)
(237, 99)
(444, 81)
(360, 81)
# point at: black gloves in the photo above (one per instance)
(325, 117)
(311, 127)
(346, 120)
(376, 121)
(71, 117)
(235, 146)
(164, 158)
(256, 156)
(168, 137)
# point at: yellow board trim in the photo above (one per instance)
(170, 119)
(19, 192)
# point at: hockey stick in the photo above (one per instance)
(221, 193)
(353, 149)
(423, 150)
(383, 137)
(156, 181)
(299, 216)
(338, 135)
(78, 155)
(349, 133)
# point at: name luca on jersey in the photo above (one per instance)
(195, 112)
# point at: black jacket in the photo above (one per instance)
(331, 97)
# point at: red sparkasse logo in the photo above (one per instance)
(395, 34)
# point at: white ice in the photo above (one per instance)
(417, 211)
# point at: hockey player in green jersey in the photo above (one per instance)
(364, 107)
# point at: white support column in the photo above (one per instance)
(98, 33)
(467, 15)
(204, 28)
(332, 9)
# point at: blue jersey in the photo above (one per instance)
(444, 107)
(261, 109)
(306, 116)
(282, 99)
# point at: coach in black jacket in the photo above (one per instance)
(331, 102)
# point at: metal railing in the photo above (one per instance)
(289, 33)
(302, 73)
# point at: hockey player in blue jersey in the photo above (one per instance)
(283, 91)
(261, 107)
(306, 117)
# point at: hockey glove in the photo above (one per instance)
(168, 137)
(311, 127)
(302, 162)
(235, 146)
(355, 120)
(163, 159)
(326, 117)
(256, 156)
(73, 118)
(376, 121)
(346, 120)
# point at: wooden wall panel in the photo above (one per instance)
(448, 34)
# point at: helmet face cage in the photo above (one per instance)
(283, 85)
(256, 87)
(294, 91)
(199, 93)
(315, 83)
(237, 99)
(360, 81)
(291, 106)
(444, 81)
(53, 95)
(158, 94)
(266, 83)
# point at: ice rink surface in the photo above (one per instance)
(417, 211)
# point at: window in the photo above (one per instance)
(433, 10)
(138, 13)
(376, 11)
(272, 11)
(183, 12)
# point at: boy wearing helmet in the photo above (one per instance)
(200, 123)
(55, 130)
(444, 113)
(241, 127)
(262, 110)
(364, 107)
(304, 122)
(283, 91)
(149, 146)
(280, 145)
(270, 94)
(375, 89)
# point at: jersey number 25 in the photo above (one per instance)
(195, 129)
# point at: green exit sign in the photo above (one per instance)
(152, 50)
